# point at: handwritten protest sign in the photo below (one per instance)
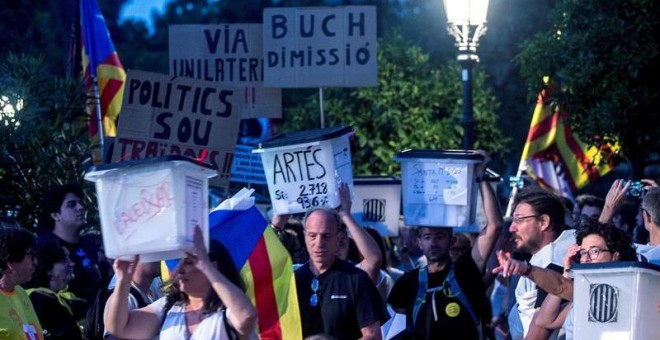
(320, 46)
(307, 174)
(437, 183)
(229, 54)
(438, 187)
(165, 115)
(247, 167)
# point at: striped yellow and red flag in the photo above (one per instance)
(553, 155)
(102, 67)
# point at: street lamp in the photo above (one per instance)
(466, 22)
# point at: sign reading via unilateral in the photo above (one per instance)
(229, 54)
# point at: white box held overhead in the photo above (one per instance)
(304, 169)
(438, 187)
(616, 300)
(377, 203)
(150, 207)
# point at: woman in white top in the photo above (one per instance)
(206, 300)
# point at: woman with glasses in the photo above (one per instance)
(205, 301)
(58, 309)
(596, 243)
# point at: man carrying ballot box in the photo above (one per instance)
(447, 299)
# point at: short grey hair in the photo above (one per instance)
(332, 213)
(651, 204)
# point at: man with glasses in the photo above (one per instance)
(334, 296)
(595, 243)
(538, 228)
(62, 219)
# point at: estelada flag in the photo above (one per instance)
(100, 62)
(266, 268)
(553, 155)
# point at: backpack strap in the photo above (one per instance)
(450, 281)
(231, 331)
(422, 280)
(458, 293)
(137, 294)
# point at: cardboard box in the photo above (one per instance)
(438, 187)
(377, 203)
(150, 207)
(616, 300)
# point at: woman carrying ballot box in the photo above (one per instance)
(205, 301)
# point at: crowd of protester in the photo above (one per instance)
(512, 280)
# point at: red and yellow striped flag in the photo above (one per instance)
(553, 155)
(267, 270)
(101, 64)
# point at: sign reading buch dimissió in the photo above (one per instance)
(304, 169)
(320, 46)
(229, 54)
(164, 115)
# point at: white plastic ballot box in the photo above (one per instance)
(438, 187)
(377, 203)
(616, 300)
(304, 169)
(150, 207)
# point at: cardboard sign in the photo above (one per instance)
(247, 167)
(306, 176)
(165, 115)
(437, 183)
(320, 46)
(229, 54)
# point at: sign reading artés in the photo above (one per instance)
(164, 115)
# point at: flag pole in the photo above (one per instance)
(321, 107)
(514, 191)
(99, 120)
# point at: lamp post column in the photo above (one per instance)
(467, 121)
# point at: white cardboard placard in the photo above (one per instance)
(305, 176)
(228, 54)
(320, 46)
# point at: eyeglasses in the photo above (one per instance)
(593, 252)
(314, 300)
(520, 219)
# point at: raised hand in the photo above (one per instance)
(124, 269)
(509, 266)
(198, 254)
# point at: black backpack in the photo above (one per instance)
(94, 327)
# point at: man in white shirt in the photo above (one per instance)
(538, 228)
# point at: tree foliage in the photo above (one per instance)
(415, 105)
(47, 144)
(605, 54)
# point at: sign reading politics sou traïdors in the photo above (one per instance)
(165, 115)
